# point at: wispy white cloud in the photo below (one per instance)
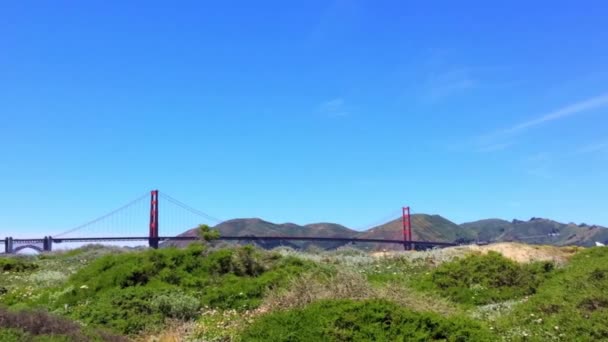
(334, 108)
(570, 110)
(495, 141)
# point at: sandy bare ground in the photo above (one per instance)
(518, 252)
(528, 253)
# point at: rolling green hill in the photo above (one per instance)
(537, 231)
(259, 227)
(425, 227)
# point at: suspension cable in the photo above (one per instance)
(190, 209)
(104, 216)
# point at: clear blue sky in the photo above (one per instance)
(319, 111)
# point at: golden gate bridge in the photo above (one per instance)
(177, 217)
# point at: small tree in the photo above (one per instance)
(207, 234)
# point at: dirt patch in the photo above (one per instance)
(528, 253)
(518, 252)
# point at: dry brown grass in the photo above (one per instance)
(519, 252)
(523, 253)
(309, 287)
(38, 322)
(416, 300)
(174, 331)
(351, 285)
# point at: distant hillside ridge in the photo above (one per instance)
(537, 231)
(259, 227)
(424, 228)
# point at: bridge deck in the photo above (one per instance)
(238, 238)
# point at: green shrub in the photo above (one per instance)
(131, 292)
(137, 308)
(28, 325)
(176, 304)
(245, 261)
(244, 292)
(44, 278)
(571, 306)
(484, 279)
(15, 335)
(12, 335)
(16, 265)
(207, 234)
(125, 310)
(373, 320)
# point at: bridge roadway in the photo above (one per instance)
(237, 238)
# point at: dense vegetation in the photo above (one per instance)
(486, 279)
(131, 292)
(573, 305)
(16, 265)
(347, 320)
(243, 293)
(29, 325)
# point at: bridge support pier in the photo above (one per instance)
(153, 236)
(47, 244)
(8, 245)
(407, 229)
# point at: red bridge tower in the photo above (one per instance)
(153, 236)
(407, 229)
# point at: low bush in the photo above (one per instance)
(372, 320)
(221, 325)
(41, 326)
(134, 309)
(176, 304)
(18, 264)
(127, 310)
(571, 306)
(131, 292)
(485, 279)
(311, 287)
(45, 278)
(14, 335)
(349, 284)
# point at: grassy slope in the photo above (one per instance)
(537, 231)
(571, 305)
(135, 291)
(259, 227)
(489, 229)
(424, 227)
(371, 320)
